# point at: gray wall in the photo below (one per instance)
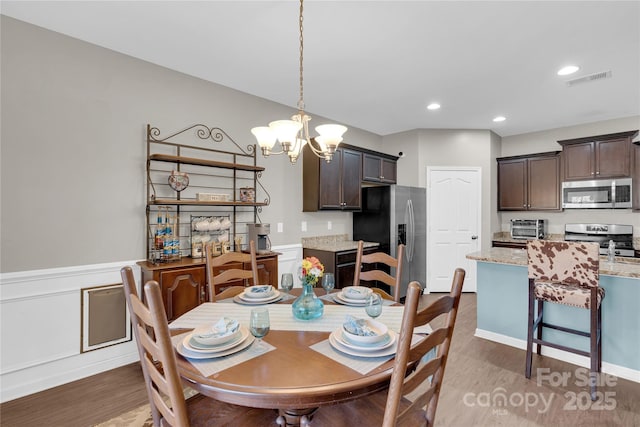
(73, 154)
(73, 149)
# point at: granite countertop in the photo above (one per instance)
(334, 243)
(623, 267)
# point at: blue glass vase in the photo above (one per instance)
(307, 306)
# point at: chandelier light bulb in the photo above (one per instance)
(265, 136)
(285, 130)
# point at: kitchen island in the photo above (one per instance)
(502, 301)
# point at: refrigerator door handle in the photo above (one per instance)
(411, 230)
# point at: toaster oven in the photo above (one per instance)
(528, 228)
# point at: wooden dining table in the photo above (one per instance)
(292, 377)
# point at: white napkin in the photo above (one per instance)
(358, 327)
(259, 291)
(356, 292)
(221, 328)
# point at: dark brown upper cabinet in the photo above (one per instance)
(334, 185)
(378, 168)
(598, 157)
(530, 182)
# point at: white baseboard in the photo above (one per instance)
(575, 359)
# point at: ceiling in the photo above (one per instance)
(376, 65)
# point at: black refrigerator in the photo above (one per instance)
(392, 215)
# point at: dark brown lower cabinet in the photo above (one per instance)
(512, 245)
(340, 263)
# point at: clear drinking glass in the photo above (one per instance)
(373, 306)
(286, 282)
(259, 324)
(328, 282)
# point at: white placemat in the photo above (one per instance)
(210, 366)
(282, 317)
(363, 365)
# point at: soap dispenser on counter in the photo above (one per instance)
(611, 252)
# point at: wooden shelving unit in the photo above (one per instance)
(214, 164)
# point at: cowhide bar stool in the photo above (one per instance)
(565, 273)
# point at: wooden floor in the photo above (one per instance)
(484, 385)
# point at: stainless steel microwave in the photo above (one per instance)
(598, 194)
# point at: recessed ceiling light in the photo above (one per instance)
(499, 119)
(569, 69)
(433, 106)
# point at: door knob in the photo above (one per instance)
(474, 237)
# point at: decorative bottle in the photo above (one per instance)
(611, 251)
(307, 306)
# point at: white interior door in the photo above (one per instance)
(453, 224)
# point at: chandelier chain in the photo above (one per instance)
(293, 134)
(301, 100)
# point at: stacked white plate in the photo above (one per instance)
(385, 347)
(258, 295)
(353, 295)
(192, 349)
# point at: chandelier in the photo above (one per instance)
(293, 134)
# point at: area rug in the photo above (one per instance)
(139, 417)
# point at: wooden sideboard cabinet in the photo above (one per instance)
(598, 157)
(184, 283)
(530, 182)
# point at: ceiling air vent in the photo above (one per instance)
(590, 78)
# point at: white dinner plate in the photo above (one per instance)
(252, 300)
(190, 354)
(339, 336)
(337, 344)
(192, 345)
(341, 299)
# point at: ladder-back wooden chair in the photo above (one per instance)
(412, 399)
(363, 274)
(160, 371)
(566, 273)
(218, 274)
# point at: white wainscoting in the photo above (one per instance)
(40, 335)
(40, 325)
